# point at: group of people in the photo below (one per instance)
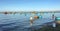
(36, 17)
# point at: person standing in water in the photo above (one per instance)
(54, 18)
(31, 20)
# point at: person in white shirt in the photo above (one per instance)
(31, 20)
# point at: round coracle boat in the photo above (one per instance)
(36, 17)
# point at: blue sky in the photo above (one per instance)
(29, 5)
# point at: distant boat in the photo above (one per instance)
(5, 13)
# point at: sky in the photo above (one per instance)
(29, 5)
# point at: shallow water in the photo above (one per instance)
(21, 22)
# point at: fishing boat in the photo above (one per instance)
(58, 20)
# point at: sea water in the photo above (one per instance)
(21, 22)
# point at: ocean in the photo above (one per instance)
(21, 22)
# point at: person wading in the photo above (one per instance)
(54, 24)
(31, 20)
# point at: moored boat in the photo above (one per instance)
(58, 20)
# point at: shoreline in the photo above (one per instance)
(50, 28)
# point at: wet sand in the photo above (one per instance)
(58, 21)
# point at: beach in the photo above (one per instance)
(50, 28)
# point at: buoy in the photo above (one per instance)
(40, 17)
